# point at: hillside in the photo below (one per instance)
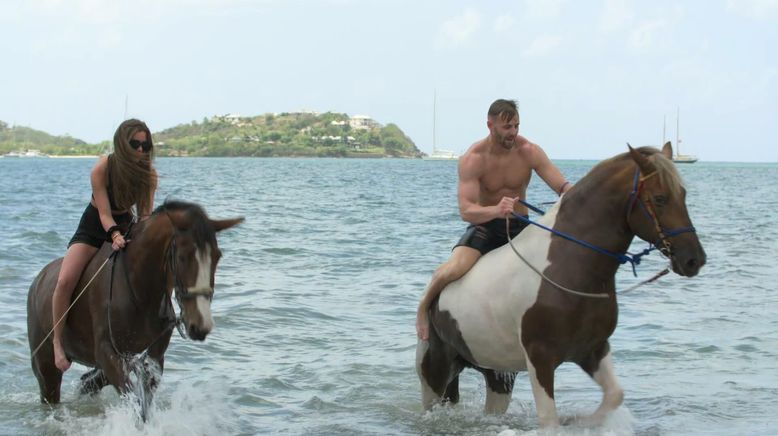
(19, 138)
(285, 134)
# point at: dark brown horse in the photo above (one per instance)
(127, 308)
(555, 301)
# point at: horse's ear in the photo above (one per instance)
(219, 225)
(646, 167)
(667, 150)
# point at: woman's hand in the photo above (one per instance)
(118, 241)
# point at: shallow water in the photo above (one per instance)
(316, 295)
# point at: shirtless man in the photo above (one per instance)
(493, 175)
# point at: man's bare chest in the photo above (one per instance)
(503, 176)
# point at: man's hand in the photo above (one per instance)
(506, 206)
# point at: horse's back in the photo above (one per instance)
(39, 313)
(39, 319)
(488, 302)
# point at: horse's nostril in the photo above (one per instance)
(692, 263)
(197, 333)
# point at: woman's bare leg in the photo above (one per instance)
(76, 258)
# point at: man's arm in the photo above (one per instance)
(549, 172)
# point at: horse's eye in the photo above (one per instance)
(660, 200)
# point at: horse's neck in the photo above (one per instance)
(146, 258)
(595, 212)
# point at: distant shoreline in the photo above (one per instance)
(75, 156)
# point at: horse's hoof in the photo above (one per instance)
(92, 382)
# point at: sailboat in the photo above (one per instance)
(437, 153)
(679, 158)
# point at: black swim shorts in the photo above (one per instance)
(90, 230)
(490, 235)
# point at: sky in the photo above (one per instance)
(589, 75)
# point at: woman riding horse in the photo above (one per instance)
(126, 309)
(553, 300)
(121, 180)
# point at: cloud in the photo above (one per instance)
(503, 23)
(646, 34)
(755, 9)
(544, 8)
(542, 45)
(616, 15)
(657, 34)
(457, 30)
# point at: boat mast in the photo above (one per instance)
(677, 133)
(664, 129)
(434, 104)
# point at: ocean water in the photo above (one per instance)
(316, 296)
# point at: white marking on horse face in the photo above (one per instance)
(204, 308)
(202, 286)
(489, 301)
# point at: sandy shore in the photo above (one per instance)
(80, 156)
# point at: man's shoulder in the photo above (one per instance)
(525, 144)
(476, 151)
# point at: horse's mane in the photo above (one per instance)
(199, 225)
(666, 171)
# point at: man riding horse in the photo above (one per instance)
(493, 174)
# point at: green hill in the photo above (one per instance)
(285, 134)
(19, 138)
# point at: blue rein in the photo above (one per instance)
(622, 258)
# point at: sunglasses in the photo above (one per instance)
(134, 143)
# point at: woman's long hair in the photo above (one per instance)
(131, 180)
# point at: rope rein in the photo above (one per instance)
(622, 258)
(172, 322)
(572, 291)
(540, 273)
(64, 315)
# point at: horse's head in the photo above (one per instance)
(192, 257)
(657, 210)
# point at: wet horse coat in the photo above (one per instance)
(502, 317)
(127, 310)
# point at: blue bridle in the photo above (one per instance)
(634, 197)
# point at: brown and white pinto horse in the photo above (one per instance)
(502, 317)
(127, 310)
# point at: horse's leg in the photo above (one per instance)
(452, 391)
(600, 368)
(49, 377)
(93, 381)
(499, 387)
(438, 368)
(428, 392)
(149, 373)
(541, 376)
(111, 364)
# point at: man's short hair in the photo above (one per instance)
(504, 109)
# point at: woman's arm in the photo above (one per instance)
(99, 178)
